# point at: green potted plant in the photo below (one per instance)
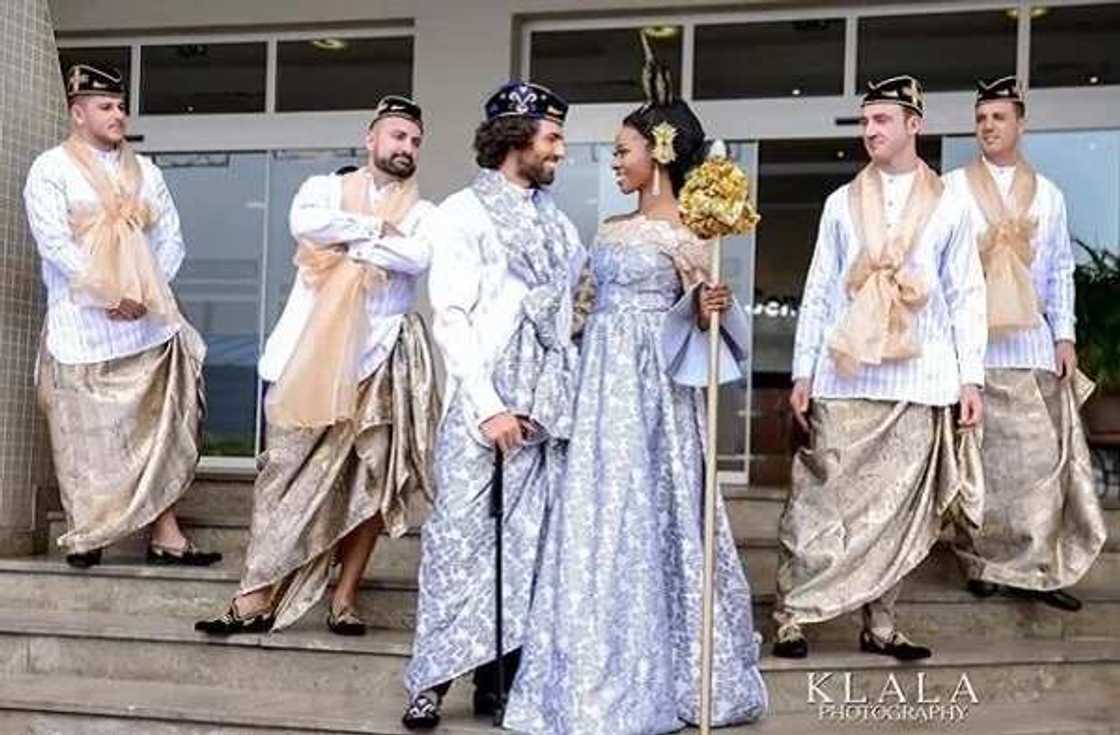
(1097, 280)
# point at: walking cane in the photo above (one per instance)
(497, 503)
(710, 490)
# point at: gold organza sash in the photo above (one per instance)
(121, 264)
(879, 323)
(319, 384)
(1005, 248)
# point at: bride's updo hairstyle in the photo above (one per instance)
(674, 133)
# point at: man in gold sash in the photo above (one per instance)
(890, 335)
(353, 405)
(120, 369)
(1043, 525)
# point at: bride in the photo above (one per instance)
(613, 644)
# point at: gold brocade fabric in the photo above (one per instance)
(867, 503)
(124, 435)
(316, 485)
(121, 264)
(1043, 525)
(878, 325)
(319, 385)
(1005, 247)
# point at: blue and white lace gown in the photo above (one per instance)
(613, 644)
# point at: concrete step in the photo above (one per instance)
(307, 659)
(80, 706)
(933, 602)
(215, 514)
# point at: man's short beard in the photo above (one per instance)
(537, 174)
(399, 166)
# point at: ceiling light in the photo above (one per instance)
(796, 91)
(661, 32)
(329, 44)
(1036, 12)
(1094, 79)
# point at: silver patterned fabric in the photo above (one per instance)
(535, 377)
(124, 435)
(613, 644)
(868, 500)
(316, 485)
(1043, 526)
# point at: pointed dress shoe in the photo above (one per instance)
(898, 646)
(85, 559)
(982, 589)
(345, 622)
(791, 643)
(188, 556)
(232, 623)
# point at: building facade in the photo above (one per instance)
(240, 100)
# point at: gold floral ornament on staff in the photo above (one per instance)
(715, 200)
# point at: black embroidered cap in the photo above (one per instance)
(525, 99)
(395, 105)
(903, 90)
(85, 79)
(1004, 88)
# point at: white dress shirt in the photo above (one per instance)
(78, 334)
(477, 300)
(951, 328)
(1051, 271)
(317, 217)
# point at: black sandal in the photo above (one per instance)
(423, 712)
(188, 556)
(346, 622)
(231, 623)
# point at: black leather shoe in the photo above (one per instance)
(486, 703)
(1060, 599)
(188, 556)
(422, 712)
(898, 647)
(795, 647)
(84, 560)
(981, 589)
(231, 623)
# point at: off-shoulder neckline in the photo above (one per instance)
(676, 227)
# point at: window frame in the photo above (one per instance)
(1051, 108)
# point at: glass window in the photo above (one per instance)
(1075, 46)
(1085, 164)
(112, 56)
(221, 203)
(945, 51)
(602, 65)
(341, 73)
(202, 77)
(787, 58)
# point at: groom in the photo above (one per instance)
(501, 284)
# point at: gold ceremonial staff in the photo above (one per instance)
(714, 202)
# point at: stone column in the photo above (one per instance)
(32, 118)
